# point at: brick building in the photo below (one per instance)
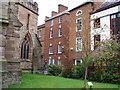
(67, 34)
(56, 38)
(18, 41)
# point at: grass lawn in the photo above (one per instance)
(43, 81)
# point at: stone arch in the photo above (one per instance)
(27, 48)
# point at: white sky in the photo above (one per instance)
(46, 6)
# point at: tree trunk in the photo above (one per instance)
(85, 79)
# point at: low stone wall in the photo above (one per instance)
(14, 72)
(10, 73)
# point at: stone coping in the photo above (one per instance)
(12, 61)
(14, 70)
(3, 71)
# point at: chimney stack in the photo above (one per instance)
(46, 17)
(62, 8)
(53, 13)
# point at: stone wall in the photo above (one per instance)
(10, 64)
(27, 10)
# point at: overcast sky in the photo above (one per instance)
(46, 6)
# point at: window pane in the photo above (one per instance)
(79, 24)
(115, 23)
(51, 33)
(52, 22)
(97, 23)
(59, 62)
(59, 48)
(78, 13)
(96, 41)
(51, 61)
(50, 50)
(60, 32)
(118, 15)
(25, 49)
(60, 20)
(79, 44)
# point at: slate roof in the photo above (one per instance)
(105, 4)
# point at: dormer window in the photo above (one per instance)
(79, 12)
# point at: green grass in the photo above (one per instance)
(44, 81)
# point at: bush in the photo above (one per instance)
(106, 74)
(66, 72)
(78, 71)
(54, 70)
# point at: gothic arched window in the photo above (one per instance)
(25, 49)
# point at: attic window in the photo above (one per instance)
(79, 12)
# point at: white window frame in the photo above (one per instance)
(51, 35)
(59, 48)
(80, 42)
(76, 25)
(60, 19)
(79, 14)
(78, 60)
(51, 22)
(50, 50)
(60, 30)
(52, 62)
(59, 62)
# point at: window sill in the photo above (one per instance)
(51, 25)
(51, 38)
(60, 36)
(59, 52)
(97, 27)
(50, 53)
(60, 22)
(78, 50)
(25, 60)
(79, 31)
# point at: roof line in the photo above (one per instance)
(107, 7)
(59, 14)
(68, 11)
(81, 5)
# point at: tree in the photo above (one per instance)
(107, 60)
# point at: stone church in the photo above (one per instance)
(20, 49)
